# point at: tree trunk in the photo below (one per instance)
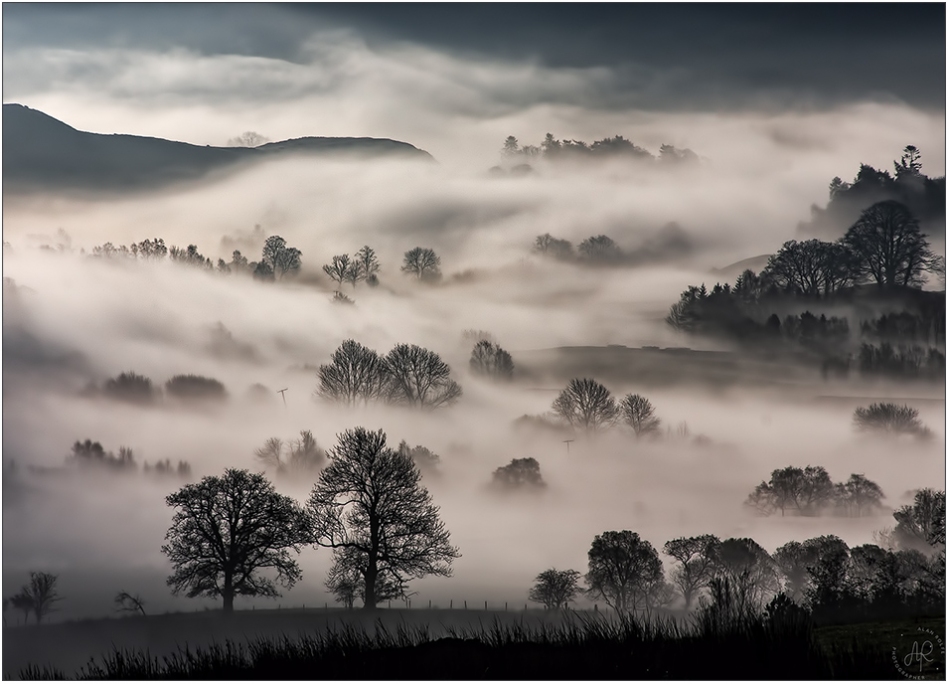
(371, 573)
(228, 594)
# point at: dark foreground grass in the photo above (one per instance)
(579, 648)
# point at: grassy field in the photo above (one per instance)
(423, 644)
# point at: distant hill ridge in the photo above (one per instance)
(41, 153)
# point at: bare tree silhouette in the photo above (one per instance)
(555, 588)
(586, 404)
(418, 377)
(370, 506)
(226, 530)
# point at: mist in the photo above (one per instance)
(72, 321)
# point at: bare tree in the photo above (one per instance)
(305, 455)
(555, 588)
(126, 603)
(419, 377)
(356, 374)
(922, 525)
(623, 570)
(281, 258)
(42, 593)
(490, 360)
(270, 454)
(226, 530)
(423, 263)
(638, 412)
(368, 265)
(890, 247)
(338, 269)
(586, 404)
(696, 557)
(889, 418)
(370, 506)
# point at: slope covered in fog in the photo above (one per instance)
(41, 153)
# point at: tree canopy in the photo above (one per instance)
(228, 529)
(370, 507)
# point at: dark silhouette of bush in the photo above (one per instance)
(89, 454)
(886, 418)
(130, 387)
(195, 387)
(519, 474)
(555, 588)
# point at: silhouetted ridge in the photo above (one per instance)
(43, 153)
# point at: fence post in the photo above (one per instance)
(505, 606)
(451, 604)
(430, 604)
(390, 603)
(485, 605)
(466, 604)
(326, 606)
(596, 608)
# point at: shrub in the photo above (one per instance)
(195, 387)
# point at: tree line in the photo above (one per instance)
(616, 147)
(821, 574)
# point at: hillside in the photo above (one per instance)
(43, 154)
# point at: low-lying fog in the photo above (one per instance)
(73, 320)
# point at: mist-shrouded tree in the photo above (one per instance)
(423, 263)
(227, 531)
(749, 569)
(418, 377)
(859, 495)
(283, 260)
(889, 418)
(490, 360)
(338, 269)
(128, 603)
(600, 249)
(890, 247)
(426, 459)
(555, 588)
(22, 601)
(355, 375)
(696, 563)
(248, 139)
(795, 560)
(586, 404)
(549, 246)
(798, 491)
(624, 570)
(638, 413)
(368, 264)
(520, 473)
(923, 524)
(150, 249)
(130, 387)
(303, 455)
(370, 507)
(195, 387)
(40, 594)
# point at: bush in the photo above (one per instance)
(195, 387)
(890, 418)
(520, 473)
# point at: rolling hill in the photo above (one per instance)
(43, 154)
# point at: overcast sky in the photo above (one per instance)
(206, 72)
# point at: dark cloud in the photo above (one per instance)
(720, 56)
